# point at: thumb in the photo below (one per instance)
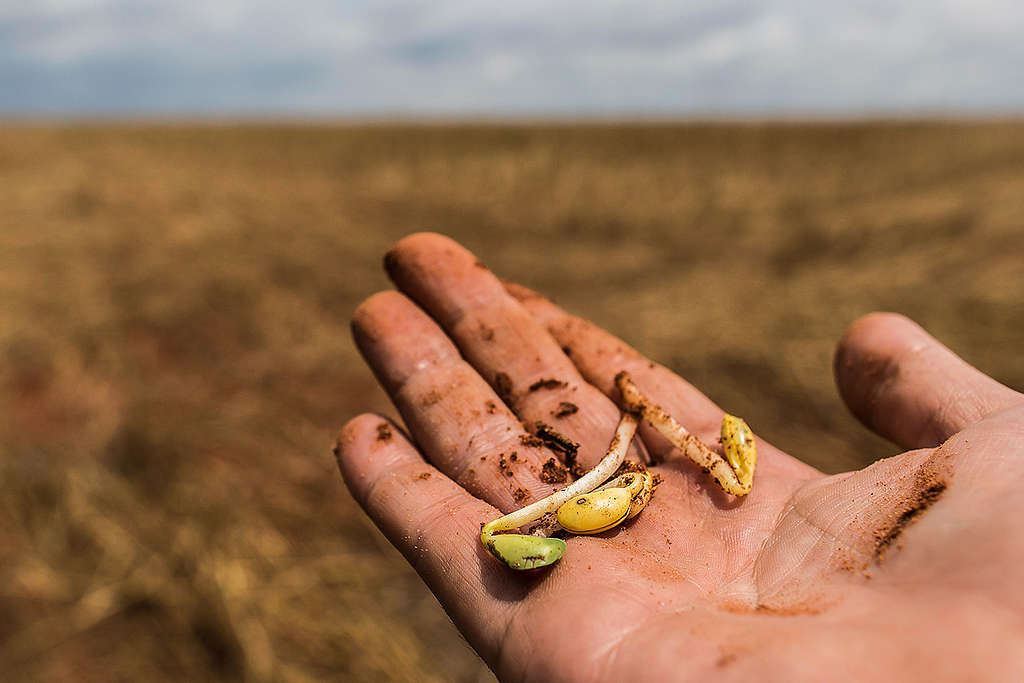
(906, 386)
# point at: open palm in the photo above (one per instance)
(906, 567)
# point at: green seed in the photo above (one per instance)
(525, 552)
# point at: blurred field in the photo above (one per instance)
(175, 357)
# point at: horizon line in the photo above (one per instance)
(517, 119)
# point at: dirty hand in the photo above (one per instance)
(909, 566)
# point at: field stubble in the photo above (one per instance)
(175, 360)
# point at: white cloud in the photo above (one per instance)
(532, 56)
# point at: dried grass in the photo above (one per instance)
(174, 354)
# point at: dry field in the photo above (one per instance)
(175, 357)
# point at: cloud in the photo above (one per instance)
(529, 57)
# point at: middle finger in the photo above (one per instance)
(505, 344)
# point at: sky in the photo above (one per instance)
(523, 58)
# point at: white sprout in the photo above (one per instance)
(495, 542)
(587, 507)
(735, 476)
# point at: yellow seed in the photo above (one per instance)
(595, 512)
(631, 481)
(739, 448)
(643, 496)
(640, 486)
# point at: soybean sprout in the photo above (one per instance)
(735, 475)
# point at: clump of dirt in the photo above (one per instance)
(560, 443)
(929, 488)
(531, 441)
(564, 409)
(503, 385)
(520, 495)
(423, 476)
(383, 432)
(575, 468)
(629, 466)
(491, 407)
(554, 472)
(504, 465)
(547, 384)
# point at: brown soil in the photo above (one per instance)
(383, 432)
(554, 472)
(629, 466)
(531, 441)
(798, 609)
(546, 384)
(503, 387)
(562, 444)
(564, 409)
(504, 466)
(928, 489)
(173, 450)
(805, 607)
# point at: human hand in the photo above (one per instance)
(907, 567)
